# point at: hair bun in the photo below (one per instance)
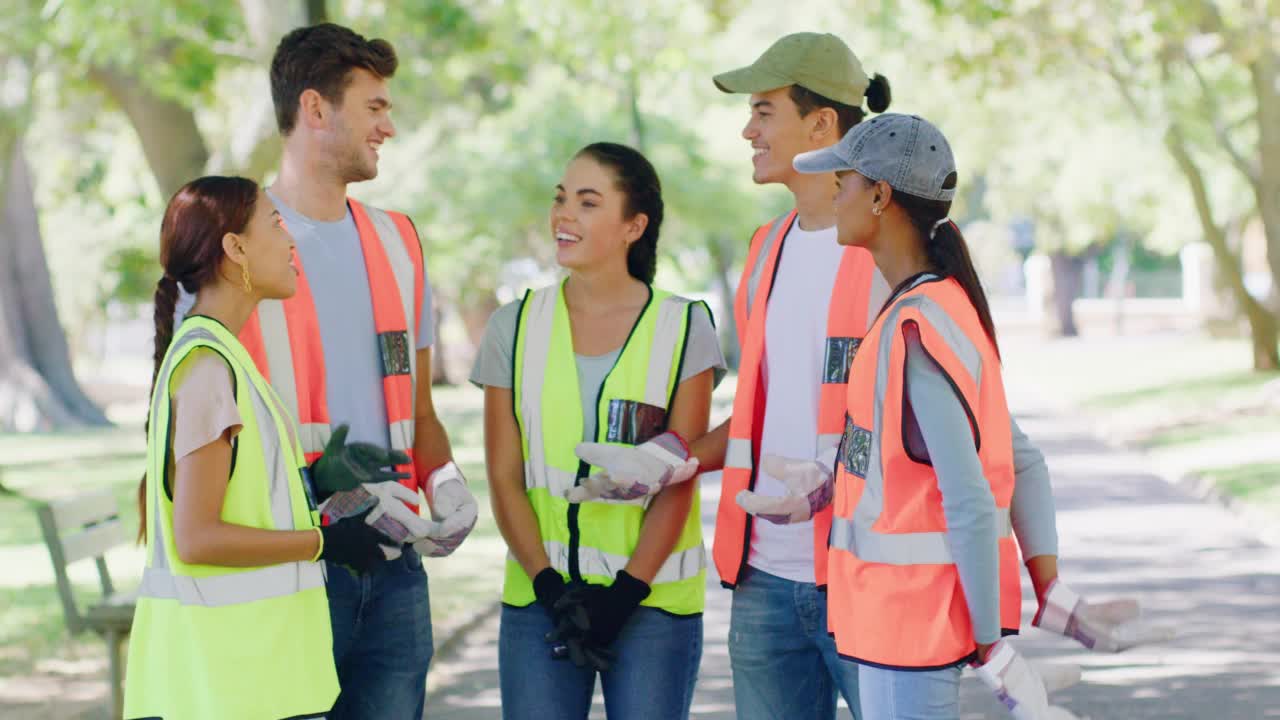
(878, 94)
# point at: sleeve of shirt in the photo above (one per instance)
(203, 402)
(1033, 514)
(967, 502)
(426, 323)
(703, 348)
(496, 355)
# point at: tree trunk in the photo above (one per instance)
(1068, 272)
(38, 390)
(726, 323)
(1262, 324)
(317, 12)
(171, 141)
(1265, 73)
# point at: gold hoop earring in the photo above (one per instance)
(875, 211)
(244, 279)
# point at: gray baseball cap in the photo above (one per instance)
(906, 151)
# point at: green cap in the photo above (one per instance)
(820, 62)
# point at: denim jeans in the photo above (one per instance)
(906, 695)
(652, 677)
(784, 663)
(381, 639)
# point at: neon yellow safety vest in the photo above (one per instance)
(592, 541)
(211, 643)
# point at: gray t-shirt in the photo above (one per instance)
(496, 356)
(331, 255)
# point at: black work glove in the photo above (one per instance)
(353, 543)
(610, 606)
(548, 586)
(346, 467)
(571, 637)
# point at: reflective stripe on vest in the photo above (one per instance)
(921, 548)
(591, 541)
(218, 590)
(283, 336)
(678, 566)
(894, 592)
(283, 460)
(847, 319)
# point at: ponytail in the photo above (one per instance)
(948, 252)
(166, 301)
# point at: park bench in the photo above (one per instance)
(78, 528)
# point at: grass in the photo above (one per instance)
(1204, 432)
(1189, 401)
(1188, 392)
(1111, 372)
(1256, 483)
(47, 481)
(44, 466)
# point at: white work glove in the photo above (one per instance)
(634, 472)
(810, 488)
(453, 513)
(392, 515)
(1007, 674)
(1105, 627)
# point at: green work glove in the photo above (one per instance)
(346, 466)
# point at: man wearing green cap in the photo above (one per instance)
(803, 304)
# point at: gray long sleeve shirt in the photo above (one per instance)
(967, 502)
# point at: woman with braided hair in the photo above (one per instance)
(232, 619)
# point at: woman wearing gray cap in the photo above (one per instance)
(923, 569)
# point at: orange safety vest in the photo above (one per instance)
(846, 325)
(283, 336)
(893, 596)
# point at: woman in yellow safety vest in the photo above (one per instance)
(600, 578)
(232, 619)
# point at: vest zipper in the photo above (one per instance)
(584, 469)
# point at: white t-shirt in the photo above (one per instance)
(794, 348)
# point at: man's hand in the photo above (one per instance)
(453, 512)
(810, 488)
(343, 467)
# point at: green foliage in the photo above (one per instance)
(1131, 70)
(133, 270)
(494, 96)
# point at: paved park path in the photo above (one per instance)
(1123, 531)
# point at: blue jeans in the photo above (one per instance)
(906, 695)
(784, 663)
(652, 677)
(381, 639)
